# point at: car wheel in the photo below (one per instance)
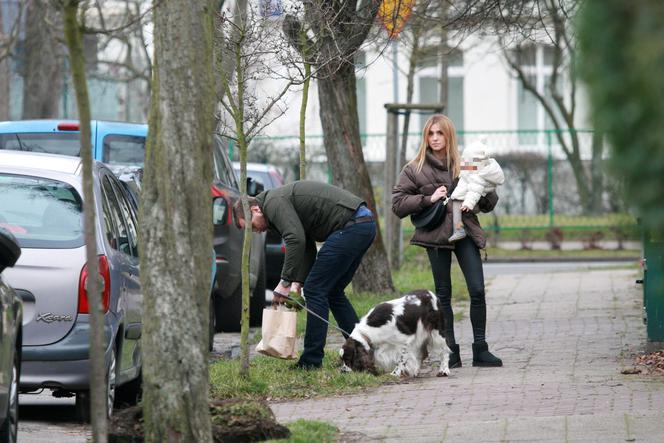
(212, 326)
(10, 425)
(129, 394)
(229, 311)
(258, 300)
(82, 405)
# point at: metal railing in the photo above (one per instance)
(541, 194)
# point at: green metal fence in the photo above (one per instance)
(540, 199)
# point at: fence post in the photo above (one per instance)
(550, 176)
(392, 225)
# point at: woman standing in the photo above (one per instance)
(428, 178)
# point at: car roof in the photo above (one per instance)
(258, 167)
(51, 125)
(37, 160)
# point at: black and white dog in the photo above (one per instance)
(397, 335)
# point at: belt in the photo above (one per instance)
(355, 221)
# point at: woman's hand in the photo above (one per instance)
(465, 208)
(438, 194)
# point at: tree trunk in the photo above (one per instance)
(98, 393)
(341, 134)
(4, 76)
(42, 64)
(176, 232)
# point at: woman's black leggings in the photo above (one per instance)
(468, 256)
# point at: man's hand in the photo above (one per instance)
(278, 299)
(438, 194)
(278, 291)
(465, 208)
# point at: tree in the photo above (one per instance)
(122, 51)
(42, 61)
(249, 48)
(551, 22)
(176, 232)
(98, 394)
(623, 59)
(7, 42)
(335, 32)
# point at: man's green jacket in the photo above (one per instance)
(303, 213)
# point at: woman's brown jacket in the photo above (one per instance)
(413, 192)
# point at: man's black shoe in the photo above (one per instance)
(300, 365)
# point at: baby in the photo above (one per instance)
(480, 174)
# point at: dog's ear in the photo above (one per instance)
(347, 353)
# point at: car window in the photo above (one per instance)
(261, 177)
(129, 217)
(225, 175)
(41, 213)
(277, 179)
(123, 242)
(124, 150)
(66, 143)
(110, 229)
(228, 166)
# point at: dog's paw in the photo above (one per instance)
(398, 373)
(443, 373)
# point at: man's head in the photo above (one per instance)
(258, 220)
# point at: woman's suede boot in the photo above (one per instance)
(455, 357)
(482, 356)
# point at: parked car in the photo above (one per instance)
(122, 147)
(41, 203)
(11, 313)
(275, 248)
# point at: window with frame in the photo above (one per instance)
(428, 82)
(536, 61)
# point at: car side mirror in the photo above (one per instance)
(254, 187)
(220, 211)
(10, 251)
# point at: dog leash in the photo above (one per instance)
(314, 314)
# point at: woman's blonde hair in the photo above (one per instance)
(449, 132)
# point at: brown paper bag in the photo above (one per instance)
(278, 331)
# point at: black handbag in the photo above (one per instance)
(431, 217)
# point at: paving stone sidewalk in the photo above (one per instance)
(564, 339)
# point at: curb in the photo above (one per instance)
(634, 259)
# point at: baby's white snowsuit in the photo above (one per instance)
(474, 184)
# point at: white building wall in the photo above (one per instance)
(488, 95)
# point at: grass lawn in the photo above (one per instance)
(305, 431)
(272, 378)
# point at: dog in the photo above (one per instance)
(397, 336)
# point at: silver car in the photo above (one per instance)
(41, 203)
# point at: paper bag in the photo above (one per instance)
(278, 331)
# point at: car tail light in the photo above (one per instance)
(69, 127)
(105, 273)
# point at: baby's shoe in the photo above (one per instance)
(458, 234)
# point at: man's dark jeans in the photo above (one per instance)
(324, 287)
